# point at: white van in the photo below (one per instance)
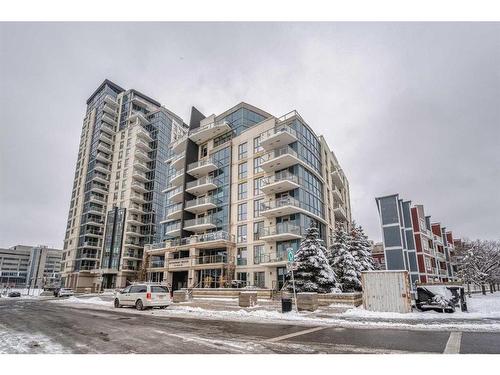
(142, 296)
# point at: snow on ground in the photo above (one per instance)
(12, 342)
(482, 310)
(83, 301)
(478, 306)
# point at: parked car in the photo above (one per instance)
(438, 297)
(142, 296)
(14, 294)
(64, 292)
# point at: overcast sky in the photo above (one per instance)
(409, 108)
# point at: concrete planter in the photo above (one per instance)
(180, 296)
(247, 299)
(228, 293)
(307, 301)
(349, 299)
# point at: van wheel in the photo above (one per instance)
(139, 305)
(117, 303)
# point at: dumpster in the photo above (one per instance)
(286, 305)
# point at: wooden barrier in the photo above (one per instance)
(349, 299)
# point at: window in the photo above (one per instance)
(242, 151)
(256, 145)
(241, 256)
(242, 191)
(257, 229)
(258, 254)
(242, 170)
(259, 279)
(257, 206)
(158, 289)
(241, 233)
(242, 211)
(203, 151)
(257, 185)
(256, 165)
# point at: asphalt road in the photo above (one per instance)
(34, 326)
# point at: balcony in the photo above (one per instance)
(443, 272)
(102, 168)
(283, 181)
(141, 166)
(138, 176)
(140, 102)
(272, 260)
(130, 268)
(339, 212)
(201, 186)
(174, 212)
(200, 205)
(280, 158)
(210, 260)
(212, 240)
(135, 208)
(110, 101)
(338, 179)
(139, 187)
(93, 210)
(337, 195)
(137, 198)
(111, 111)
(105, 138)
(104, 147)
(103, 158)
(179, 263)
(173, 230)
(201, 224)
(93, 233)
(286, 206)
(141, 155)
(97, 199)
(102, 179)
(179, 145)
(90, 245)
(108, 129)
(177, 178)
(143, 145)
(143, 134)
(177, 161)
(136, 255)
(202, 167)
(280, 207)
(204, 133)
(107, 118)
(134, 231)
(101, 189)
(139, 118)
(440, 256)
(278, 137)
(135, 220)
(176, 195)
(157, 264)
(280, 232)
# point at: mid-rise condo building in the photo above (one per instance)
(413, 243)
(242, 188)
(30, 266)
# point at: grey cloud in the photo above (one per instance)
(409, 108)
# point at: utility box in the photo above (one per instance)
(386, 291)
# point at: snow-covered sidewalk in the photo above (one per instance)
(483, 315)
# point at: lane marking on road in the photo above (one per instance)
(300, 333)
(453, 344)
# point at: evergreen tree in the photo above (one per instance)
(343, 263)
(361, 249)
(313, 273)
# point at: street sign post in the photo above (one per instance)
(290, 265)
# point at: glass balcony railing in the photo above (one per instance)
(201, 221)
(211, 259)
(277, 131)
(273, 154)
(280, 228)
(201, 181)
(279, 177)
(202, 201)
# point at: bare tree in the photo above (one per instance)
(480, 263)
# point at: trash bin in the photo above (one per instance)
(286, 305)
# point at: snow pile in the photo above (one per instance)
(479, 307)
(85, 301)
